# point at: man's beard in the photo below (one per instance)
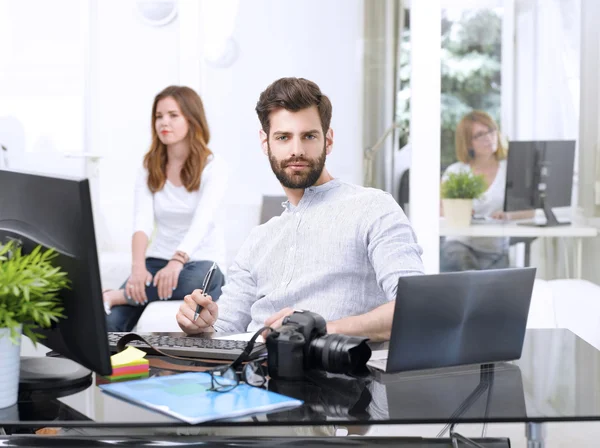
(302, 179)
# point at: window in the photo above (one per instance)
(471, 69)
(471, 44)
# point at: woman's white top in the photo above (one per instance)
(491, 201)
(176, 219)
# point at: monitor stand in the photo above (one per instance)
(551, 220)
(52, 376)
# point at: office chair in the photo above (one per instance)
(271, 206)
(403, 189)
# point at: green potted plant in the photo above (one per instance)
(29, 300)
(458, 192)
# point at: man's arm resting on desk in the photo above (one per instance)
(375, 325)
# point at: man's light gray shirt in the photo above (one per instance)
(338, 253)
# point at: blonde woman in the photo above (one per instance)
(480, 150)
(177, 196)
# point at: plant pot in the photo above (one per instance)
(458, 212)
(10, 359)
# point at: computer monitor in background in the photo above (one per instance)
(539, 174)
(57, 213)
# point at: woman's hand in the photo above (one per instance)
(518, 214)
(499, 214)
(135, 288)
(166, 279)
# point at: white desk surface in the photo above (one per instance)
(511, 228)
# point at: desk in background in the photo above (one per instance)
(513, 229)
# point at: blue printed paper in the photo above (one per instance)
(186, 397)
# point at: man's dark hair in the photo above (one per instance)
(293, 94)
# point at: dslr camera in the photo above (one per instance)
(302, 344)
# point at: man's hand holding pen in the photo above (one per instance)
(209, 312)
(198, 313)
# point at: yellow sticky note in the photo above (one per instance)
(128, 356)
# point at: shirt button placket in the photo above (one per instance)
(291, 253)
(285, 258)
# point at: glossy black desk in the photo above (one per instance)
(556, 379)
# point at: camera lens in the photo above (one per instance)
(338, 353)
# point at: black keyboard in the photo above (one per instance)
(189, 346)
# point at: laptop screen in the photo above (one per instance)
(459, 318)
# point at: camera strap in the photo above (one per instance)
(245, 355)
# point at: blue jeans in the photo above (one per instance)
(456, 256)
(124, 317)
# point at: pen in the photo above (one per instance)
(205, 286)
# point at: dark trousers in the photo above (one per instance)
(124, 317)
(456, 256)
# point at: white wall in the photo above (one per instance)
(130, 62)
(42, 83)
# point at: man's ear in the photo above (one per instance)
(329, 141)
(262, 135)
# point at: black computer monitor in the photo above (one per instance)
(539, 174)
(57, 213)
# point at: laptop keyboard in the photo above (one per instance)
(189, 346)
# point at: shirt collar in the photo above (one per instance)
(324, 187)
(312, 190)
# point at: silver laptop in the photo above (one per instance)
(459, 318)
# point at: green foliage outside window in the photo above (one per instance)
(470, 73)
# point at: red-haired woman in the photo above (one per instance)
(177, 196)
